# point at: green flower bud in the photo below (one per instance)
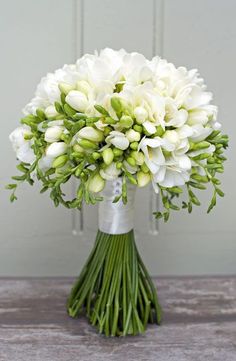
(117, 152)
(96, 155)
(96, 183)
(65, 137)
(116, 105)
(107, 131)
(201, 145)
(159, 131)
(126, 121)
(131, 161)
(138, 156)
(138, 128)
(134, 145)
(60, 161)
(28, 136)
(144, 168)
(143, 179)
(109, 120)
(119, 165)
(78, 148)
(108, 156)
(87, 144)
(201, 156)
(65, 88)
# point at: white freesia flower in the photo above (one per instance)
(132, 135)
(77, 100)
(53, 134)
(51, 112)
(91, 133)
(21, 146)
(153, 155)
(110, 172)
(56, 149)
(140, 114)
(118, 139)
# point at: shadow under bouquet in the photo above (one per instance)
(115, 121)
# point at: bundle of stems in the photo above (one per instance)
(115, 289)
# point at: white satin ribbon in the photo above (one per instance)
(116, 218)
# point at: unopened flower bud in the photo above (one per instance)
(91, 133)
(143, 178)
(77, 148)
(87, 144)
(117, 152)
(83, 86)
(144, 168)
(138, 156)
(119, 165)
(134, 145)
(53, 134)
(77, 100)
(65, 87)
(201, 145)
(116, 104)
(60, 161)
(126, 121)
(51, 112)
(132, 135)
(108, 156)
(96, 183)
(56, 149)
(109, 120)
(107, 131)
(138, 128)
(159, 131)
(140, 114)
(96, 155)
(131, 161)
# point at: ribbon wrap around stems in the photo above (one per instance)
(116, 218)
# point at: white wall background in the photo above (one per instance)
(40, 36)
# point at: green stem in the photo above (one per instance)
(115, 288)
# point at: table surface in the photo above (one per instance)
(199, 323)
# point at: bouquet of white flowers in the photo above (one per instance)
(114, 121)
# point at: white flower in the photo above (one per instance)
(77, 100)
(150, 127)
(153, 155)
(51, 112)
(91, 133)
(45, 163)
(53, 133)
(96, 183)
(21, 146)
(118, 139)
(132, 135)
(110, 172)
(56, 149)
(143, 179)
(140, 114)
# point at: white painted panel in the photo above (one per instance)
(36, 37)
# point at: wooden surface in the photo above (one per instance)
(199, 324)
